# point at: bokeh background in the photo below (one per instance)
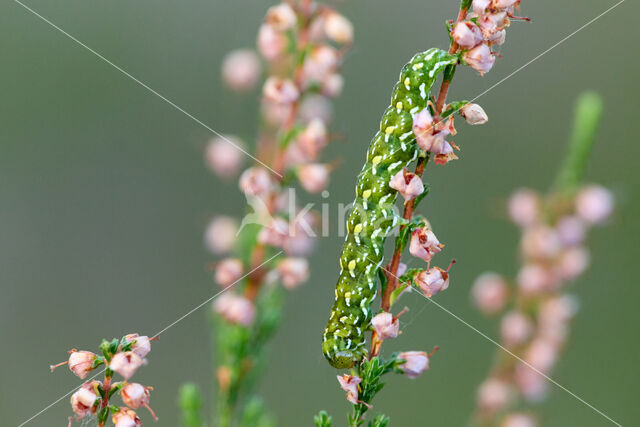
(104, 197)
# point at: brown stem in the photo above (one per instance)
(105, 401)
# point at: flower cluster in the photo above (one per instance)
(123, 357)
(536, 310)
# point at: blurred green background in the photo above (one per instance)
(104, 197)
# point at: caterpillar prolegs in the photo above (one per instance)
(372, 217)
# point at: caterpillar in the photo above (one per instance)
(372, 216)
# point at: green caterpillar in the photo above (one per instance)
(372, 217)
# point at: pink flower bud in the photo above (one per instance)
(126, 417)
(540, 242)
(141, 344)
(83, 401)
(275, 233)
(524, 207)
(466, 34)
(235, 309)
(474, 114)
(503, 4)
(532, 385)
(416, 362)
(321, 60)
(314, 177)
(534, 279)
(338, 28)
(134, 395)
(571, 230)
(313, 139)
(271, 43)
(280, 91)
(541, 354)
(408, 184)
(594, 204)
(332, 85)
(255, 181)
(126, 363)
(490, 292)
(81, 362)
(229, 271)
(497, 38)
(316, 107)
(349, 383)
(480, 6)
(293, 272)
(480, 58)
(225, 158)
(573, 262)
(493, 395)
(385, 325)
(281, 17)
(430, 139)
(241, 69)
(220, 235)
(515, 328)
(424, 244)
(432, 281)
(518, 420)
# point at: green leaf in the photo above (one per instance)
(380, 420)
(323, 419)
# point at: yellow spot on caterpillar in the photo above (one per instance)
(376, 160)
(399, 105)
(343, 319)
(418, 66)
(389, 129)
(407, 81)
(357, 229)
(347, 294)
(366, 194)
(352, 266)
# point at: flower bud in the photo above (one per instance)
(497, 38)
(490, 292)
(531, 384)
(432, 281)
(81, 363)
(594, 204)
(571, 230)
(134, 395)
(229, 271)
(281, 17)
(385, 325)
(332, 85)
(83, 401)
(534, 279)
(416, 362)
(126, 417)
(225, 158)
(518, 420)
(313, 138)
(316, 107)
(480, 58)
(540, 242)
(280, 91)
(293, 272)
(524, 207)
(271, 43)
(126, 363)
(255, 181)
(424, 244)
(220, 235)
(466, 34)
(408, 184)
(141, 344)
(241, 69)
(275, 233)
(515, 328)
(474, 114)
(573, 262)
(503, 4)
(321, 61)
(349, 383)
(480, 6)
(493, 395)
(314, 177)
(541, 354)
(338, 28)
(235, 309)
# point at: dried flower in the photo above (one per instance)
(524, 207)
(503, 4)
(314, 177)
(493, 395)
(349, 383)
(594, 204)
(135, 395)
(338, 28)
(490, 292)
(224, 158)
(83, 401)
(126, 363)
(220, 235)
(229, 271)
(474, 114)
(235, 309)
(241, 69)
(81, 363)
(432, 281)
(497, 38)
(480, 58)
(293, 272)
(141, 344)
(385, 325)
(480, 6)
(466, 34)
(126, 417)
(424, 244)
(271, 43)
(416, 362)
(255, 181)
(280, 91)
(408, 184)
(515, 328)
(281, 17)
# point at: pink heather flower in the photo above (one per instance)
(433, 140)
(313, 138)
(293, 272)
(332, 85)
(229, 271)
(515, 328)
(541, 354)
(480, 6)
(490, 292)
(316, 107)
(534, 279)
(241, 69)
(503, 4)
(474, 114)
(480, 58)
(524, 207)
(314, 177)
(571, 230)
(126, 417)
(573, 262)
(466, 34)
(141, 344)
(126, 363)
(320, 62)
(594, 204)
(408, 184)
(540, 242)
(416, 362)
(281, 17)
(432, 281)
(532, 385)
(81, 362)
(497, 38)
(493, 395)
(402, 268)
(83, 401)
(349, 383)
(385, 325)
(225, 158)
(255, 181)
(424, 244)
(280, 91)
(275, 233)
(134, 395)
(338, 28)
(518, 420)
(235, 309)
(220, 235)
(558, 310)
(271, 43)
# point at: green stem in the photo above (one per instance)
(190, 406)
